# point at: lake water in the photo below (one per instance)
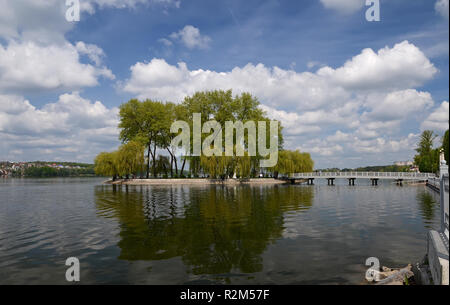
(263, 234)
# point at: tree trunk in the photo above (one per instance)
(171, 162)
(148, 161)
(176, 165)
(164, 167)
(182, 167)
(154, 161)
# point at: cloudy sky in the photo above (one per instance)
(350, 92)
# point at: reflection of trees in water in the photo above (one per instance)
(427, 205)
(214, 229)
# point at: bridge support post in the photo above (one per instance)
(399, 182)
(374, 181)
(310, 181)
(351, 181)
(330, 181)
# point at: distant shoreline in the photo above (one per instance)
(196, 181)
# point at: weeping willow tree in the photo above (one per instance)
(243, 167)
(127, 160)
(223, 107)
(194, 166)
(290, 162)
(106, 164)
(131, 159)
(216, 167)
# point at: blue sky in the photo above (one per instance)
(349, 91)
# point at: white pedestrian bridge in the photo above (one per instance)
(352, 176)
(367, 175)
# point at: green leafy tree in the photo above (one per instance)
(130, 157)
(290, 162)
(106, 164)
(173, 113)
(427, 158)
(243, 167)
(221, 106)
(149, 123)
(194, 166)
(445, 145)
(215, 167)
(143, 122)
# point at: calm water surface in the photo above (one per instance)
(265, 234)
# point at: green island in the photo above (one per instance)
(145, 130)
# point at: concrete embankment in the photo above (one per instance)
(195, 181)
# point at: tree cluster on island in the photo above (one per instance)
(145, 134)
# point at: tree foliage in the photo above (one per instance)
(127, 160)
(145, 132)
(427, 158)
(445, 145)
(106, 164)
(130, 159)
(221, 106)
(144, 122)
(293, 162)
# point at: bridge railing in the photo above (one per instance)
(393, 175)
(435, 181)
(444, 204)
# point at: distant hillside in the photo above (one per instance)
(71, 164)
(46, 169)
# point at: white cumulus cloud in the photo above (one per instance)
(398, 105)
(438, 119)
(72, 128)
(28, 66)
(400, 67)
(191, 37)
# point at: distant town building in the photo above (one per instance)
(414, 169)
(404, 163)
